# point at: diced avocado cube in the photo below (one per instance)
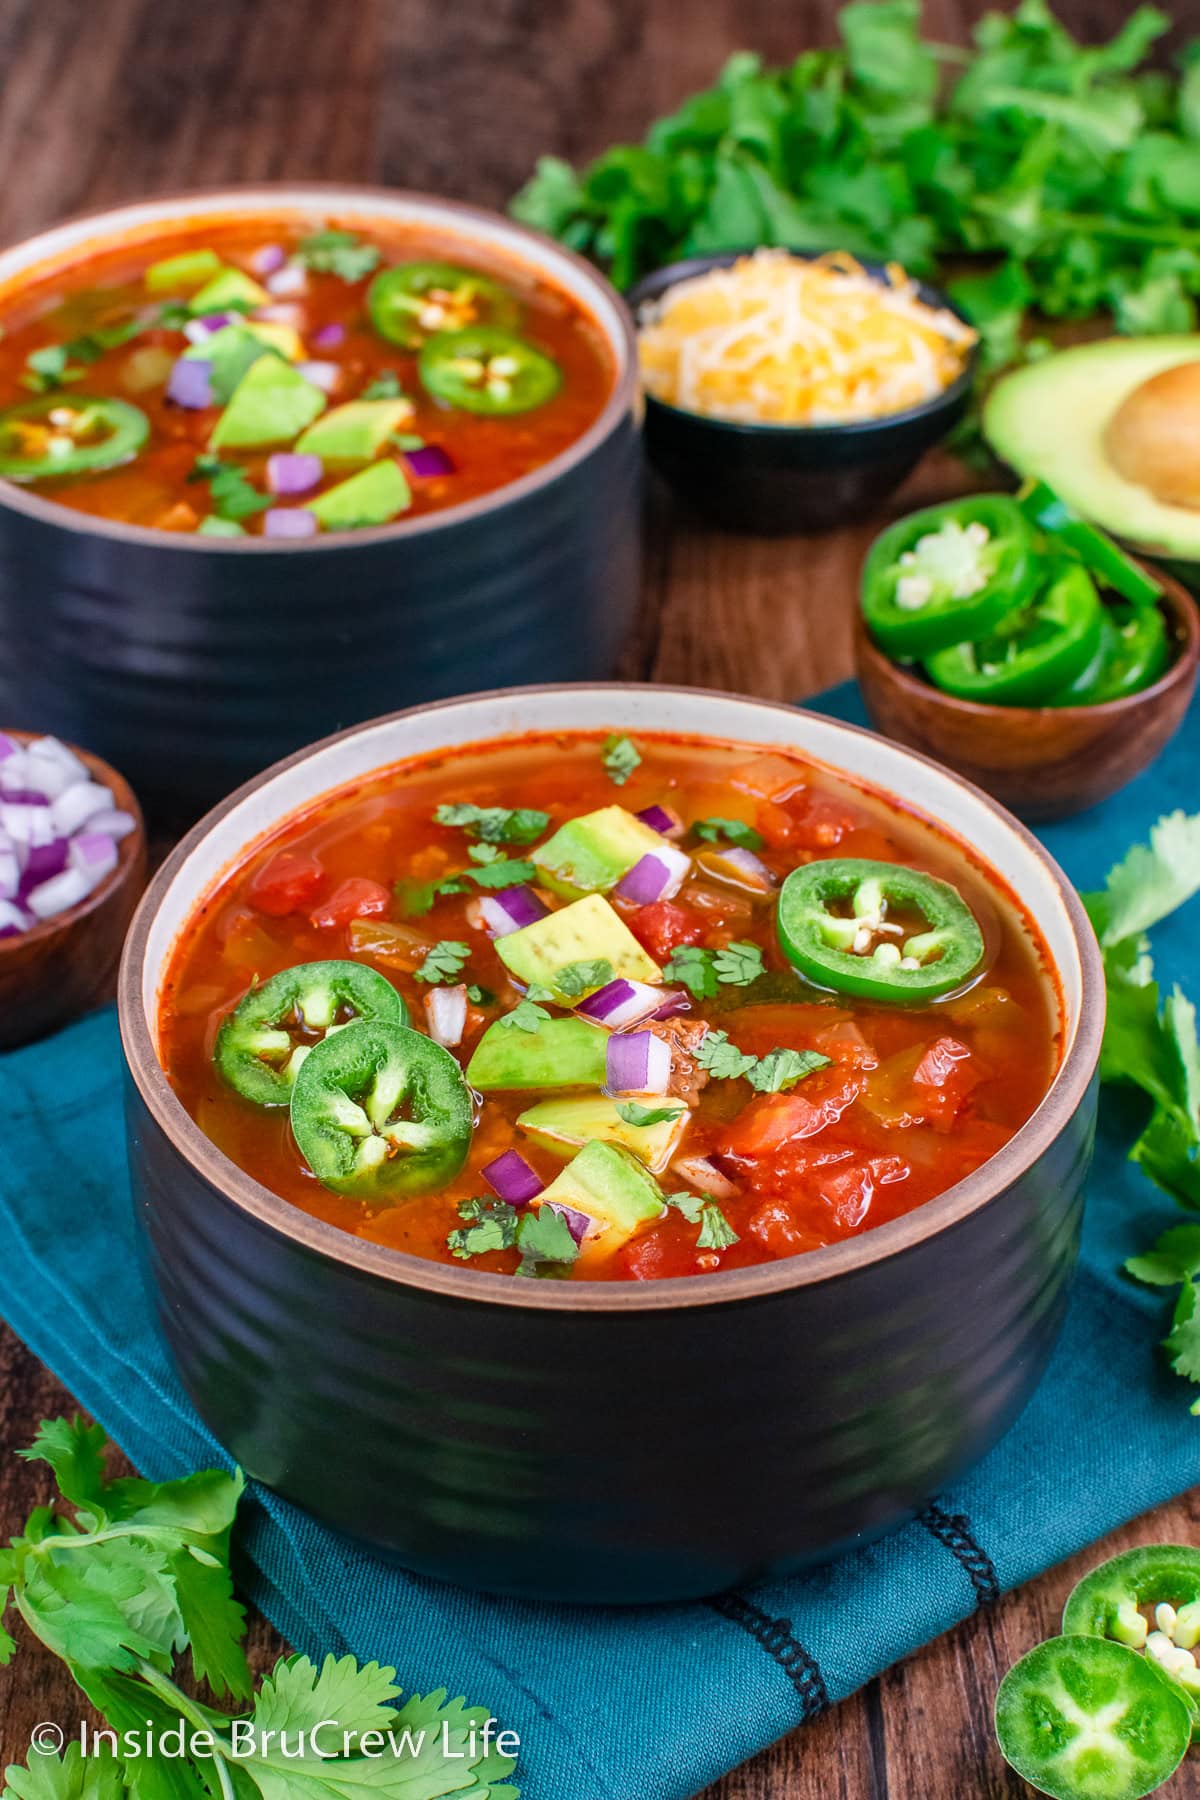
(180, 274)
(284, 338)
(228, 291)
(561, 1053)
(611, 1187)
(589, 855)
(356, 432)
(229, 353)
(212, 526)
(270, 404)
(586, 931)
(562, 1125)
(371, 497)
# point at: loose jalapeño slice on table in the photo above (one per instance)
(262, 1044)
(1149, 1600)
(878, 930)
(62, 434)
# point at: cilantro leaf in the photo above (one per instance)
(416, 898)
(526, 1015)
(694, 969)
(738, 964)
(233, 494)
(71, 1777)
(1182, 1343)
(480, 996)
(444, 962)
(340, 253)
(620, 756)
(545, 1242)
(723, 1060)
(48, 368)
(495, 824)
(1174, 1257)
(297, 1696)
(780, 1069)
(578, 978)
(634, 1113)
(501, 871)
(386, 386)
(1151, 882)
(716, 1233)
(729, 831)
(489, 1225)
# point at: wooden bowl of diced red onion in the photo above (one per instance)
(72, 867)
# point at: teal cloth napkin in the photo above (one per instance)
(654, 1703)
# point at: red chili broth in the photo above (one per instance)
(893, 1121)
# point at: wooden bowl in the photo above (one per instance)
(1042, 762)
(66, 965)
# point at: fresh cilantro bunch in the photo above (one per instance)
(1150, 1042)
(120, 1578)
(1074, 168)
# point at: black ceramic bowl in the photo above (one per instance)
(611, 1441)
(192, 663)
(778, 479)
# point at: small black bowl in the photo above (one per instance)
(790, 478)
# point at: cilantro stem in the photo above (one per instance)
(166, 1690)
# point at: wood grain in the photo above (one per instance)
(105, 100)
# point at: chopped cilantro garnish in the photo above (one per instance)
(233, 494)
(415, 898)
(545, 1242)
(386, 386)
(769, 1074)
(480, 996)
(526, 1015)
(579, 978)
(634, 1113)
(620, 756)
(444, 962)
(738, 964)
(340, 253)
(489, 1225)
(495, 824)
(729, 831)
(49, 368)
(716, 1233)
(700, 971)
(500, 871)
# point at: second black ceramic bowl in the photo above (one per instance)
(601, 1440)
(193, 662)
(778, 479)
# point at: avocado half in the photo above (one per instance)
(1048, 420)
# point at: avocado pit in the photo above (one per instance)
(1153, 437)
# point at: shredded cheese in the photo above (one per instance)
(777, 340)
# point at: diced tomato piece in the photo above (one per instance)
(782, 1234)
(287, 883)
(820, 822)
(356, 898)
(943, 1078)
(776, 824)
(766, 1125)
(658, 1253)
(663, 926)
(768, 778)
(845, 1043)
(850, 1191)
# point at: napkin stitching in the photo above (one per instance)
(776, 1637)
(954, 1531)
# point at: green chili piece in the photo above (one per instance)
(266, 1038)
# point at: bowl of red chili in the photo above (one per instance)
(565, 1122)
(275, 459)
(1024, 648)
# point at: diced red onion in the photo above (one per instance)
(289, 522)
(12, 778)
(579, 1224)
(667, 824)
(41, 863)
(268, 259)
(329, 336)
(323, 375)
(59, 894)
(196, 330)
(49, 767)
(8, 747)
(27, 825)
(113, 824)
(675, 1003)
(638, 1063)
(511, 910)
(13, 921)
(10, 871)
(701, 1173)
(77, 806)
(621, 1003)
(95, 853)
(191, 383)
(429, 460)
(511, 1177)
(742, 867)
(446, 1011)
(290, 473)
(658, 875)
(290, 280)
(283, 312)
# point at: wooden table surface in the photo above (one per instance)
(109, 101)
